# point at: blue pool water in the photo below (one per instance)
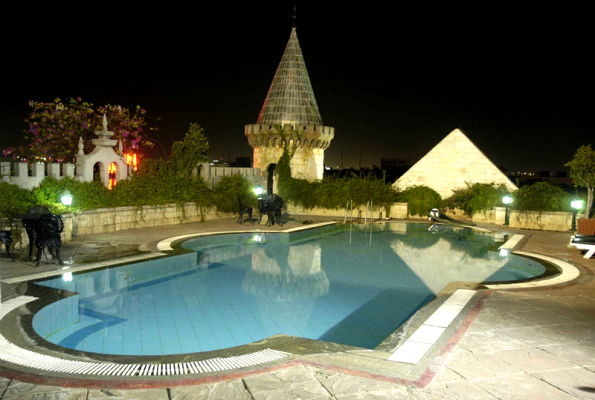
(343, 285)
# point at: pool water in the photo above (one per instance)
(351, 285)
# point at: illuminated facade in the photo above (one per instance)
(290, 113)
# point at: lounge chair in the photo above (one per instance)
(584, 242)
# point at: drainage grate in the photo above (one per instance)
(17, 355)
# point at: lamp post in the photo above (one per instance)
(66, 199)
(576, 205)
(506, 200)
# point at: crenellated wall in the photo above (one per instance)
(17, 173)
(212, 175)
(310, 142)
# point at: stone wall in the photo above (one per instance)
(545, 221)
(397, 211)
(122, 218)
(212, 175)
(107, 220)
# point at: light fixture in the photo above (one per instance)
(577, 204)
(257, 238)
(506, 200)
(66, 199)
(258, 190)
(67, 277)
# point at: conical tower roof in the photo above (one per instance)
(291, 99)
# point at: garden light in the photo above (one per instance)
(258, 190)
(67, 277)
(66, 199)
(506, 200)
(577, 204)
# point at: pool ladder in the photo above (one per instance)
(369, 212)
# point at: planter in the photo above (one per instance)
(586, 226)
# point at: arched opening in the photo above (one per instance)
(113, 170)
(99, 173)
(270, 176)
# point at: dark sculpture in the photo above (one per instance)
(271, 206)
(47, 234)
(6, 238)
(244, 210)
(30, 221)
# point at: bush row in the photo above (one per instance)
(147, 188)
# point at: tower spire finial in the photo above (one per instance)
(294, 16)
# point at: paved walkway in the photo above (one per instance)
(530, 344)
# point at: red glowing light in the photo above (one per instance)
(112, 176)
(131, 160)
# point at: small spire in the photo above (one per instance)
(294, 16)
(81, 146)
(104, 123)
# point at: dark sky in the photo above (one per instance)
(392, 80)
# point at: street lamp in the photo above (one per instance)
(576, 205)
(506, 200)
(66, 199)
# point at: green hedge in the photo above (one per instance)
(154, 188)
(541, 196)
(477, 197)
(420, 199)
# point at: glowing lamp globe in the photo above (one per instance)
(507, 200)
(258, 190)
(577, 204)
(66, 199)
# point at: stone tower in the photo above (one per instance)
(290, 107)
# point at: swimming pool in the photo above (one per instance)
(351, 285)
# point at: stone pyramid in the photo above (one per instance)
(450, 164)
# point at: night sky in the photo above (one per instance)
(393, 81)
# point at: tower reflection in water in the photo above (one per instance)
(285, 282)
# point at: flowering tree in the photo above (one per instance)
(54, 129)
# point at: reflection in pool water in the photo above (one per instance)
(353, 287)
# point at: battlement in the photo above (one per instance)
(305, 136)
(213, 175)
(29, 176)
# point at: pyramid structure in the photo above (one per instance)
(452, 163)
(290, 99)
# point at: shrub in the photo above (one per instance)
(420, 199)
(477, 197)
(15, 200)
(227, 191)
(541, 196)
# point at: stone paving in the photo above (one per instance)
(530, 344)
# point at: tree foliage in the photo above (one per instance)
(54, 129)
(420, 199)
(188, 154)
(582, 172)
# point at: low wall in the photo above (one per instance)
(545, 221)
(397, 211)
(107, 220)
